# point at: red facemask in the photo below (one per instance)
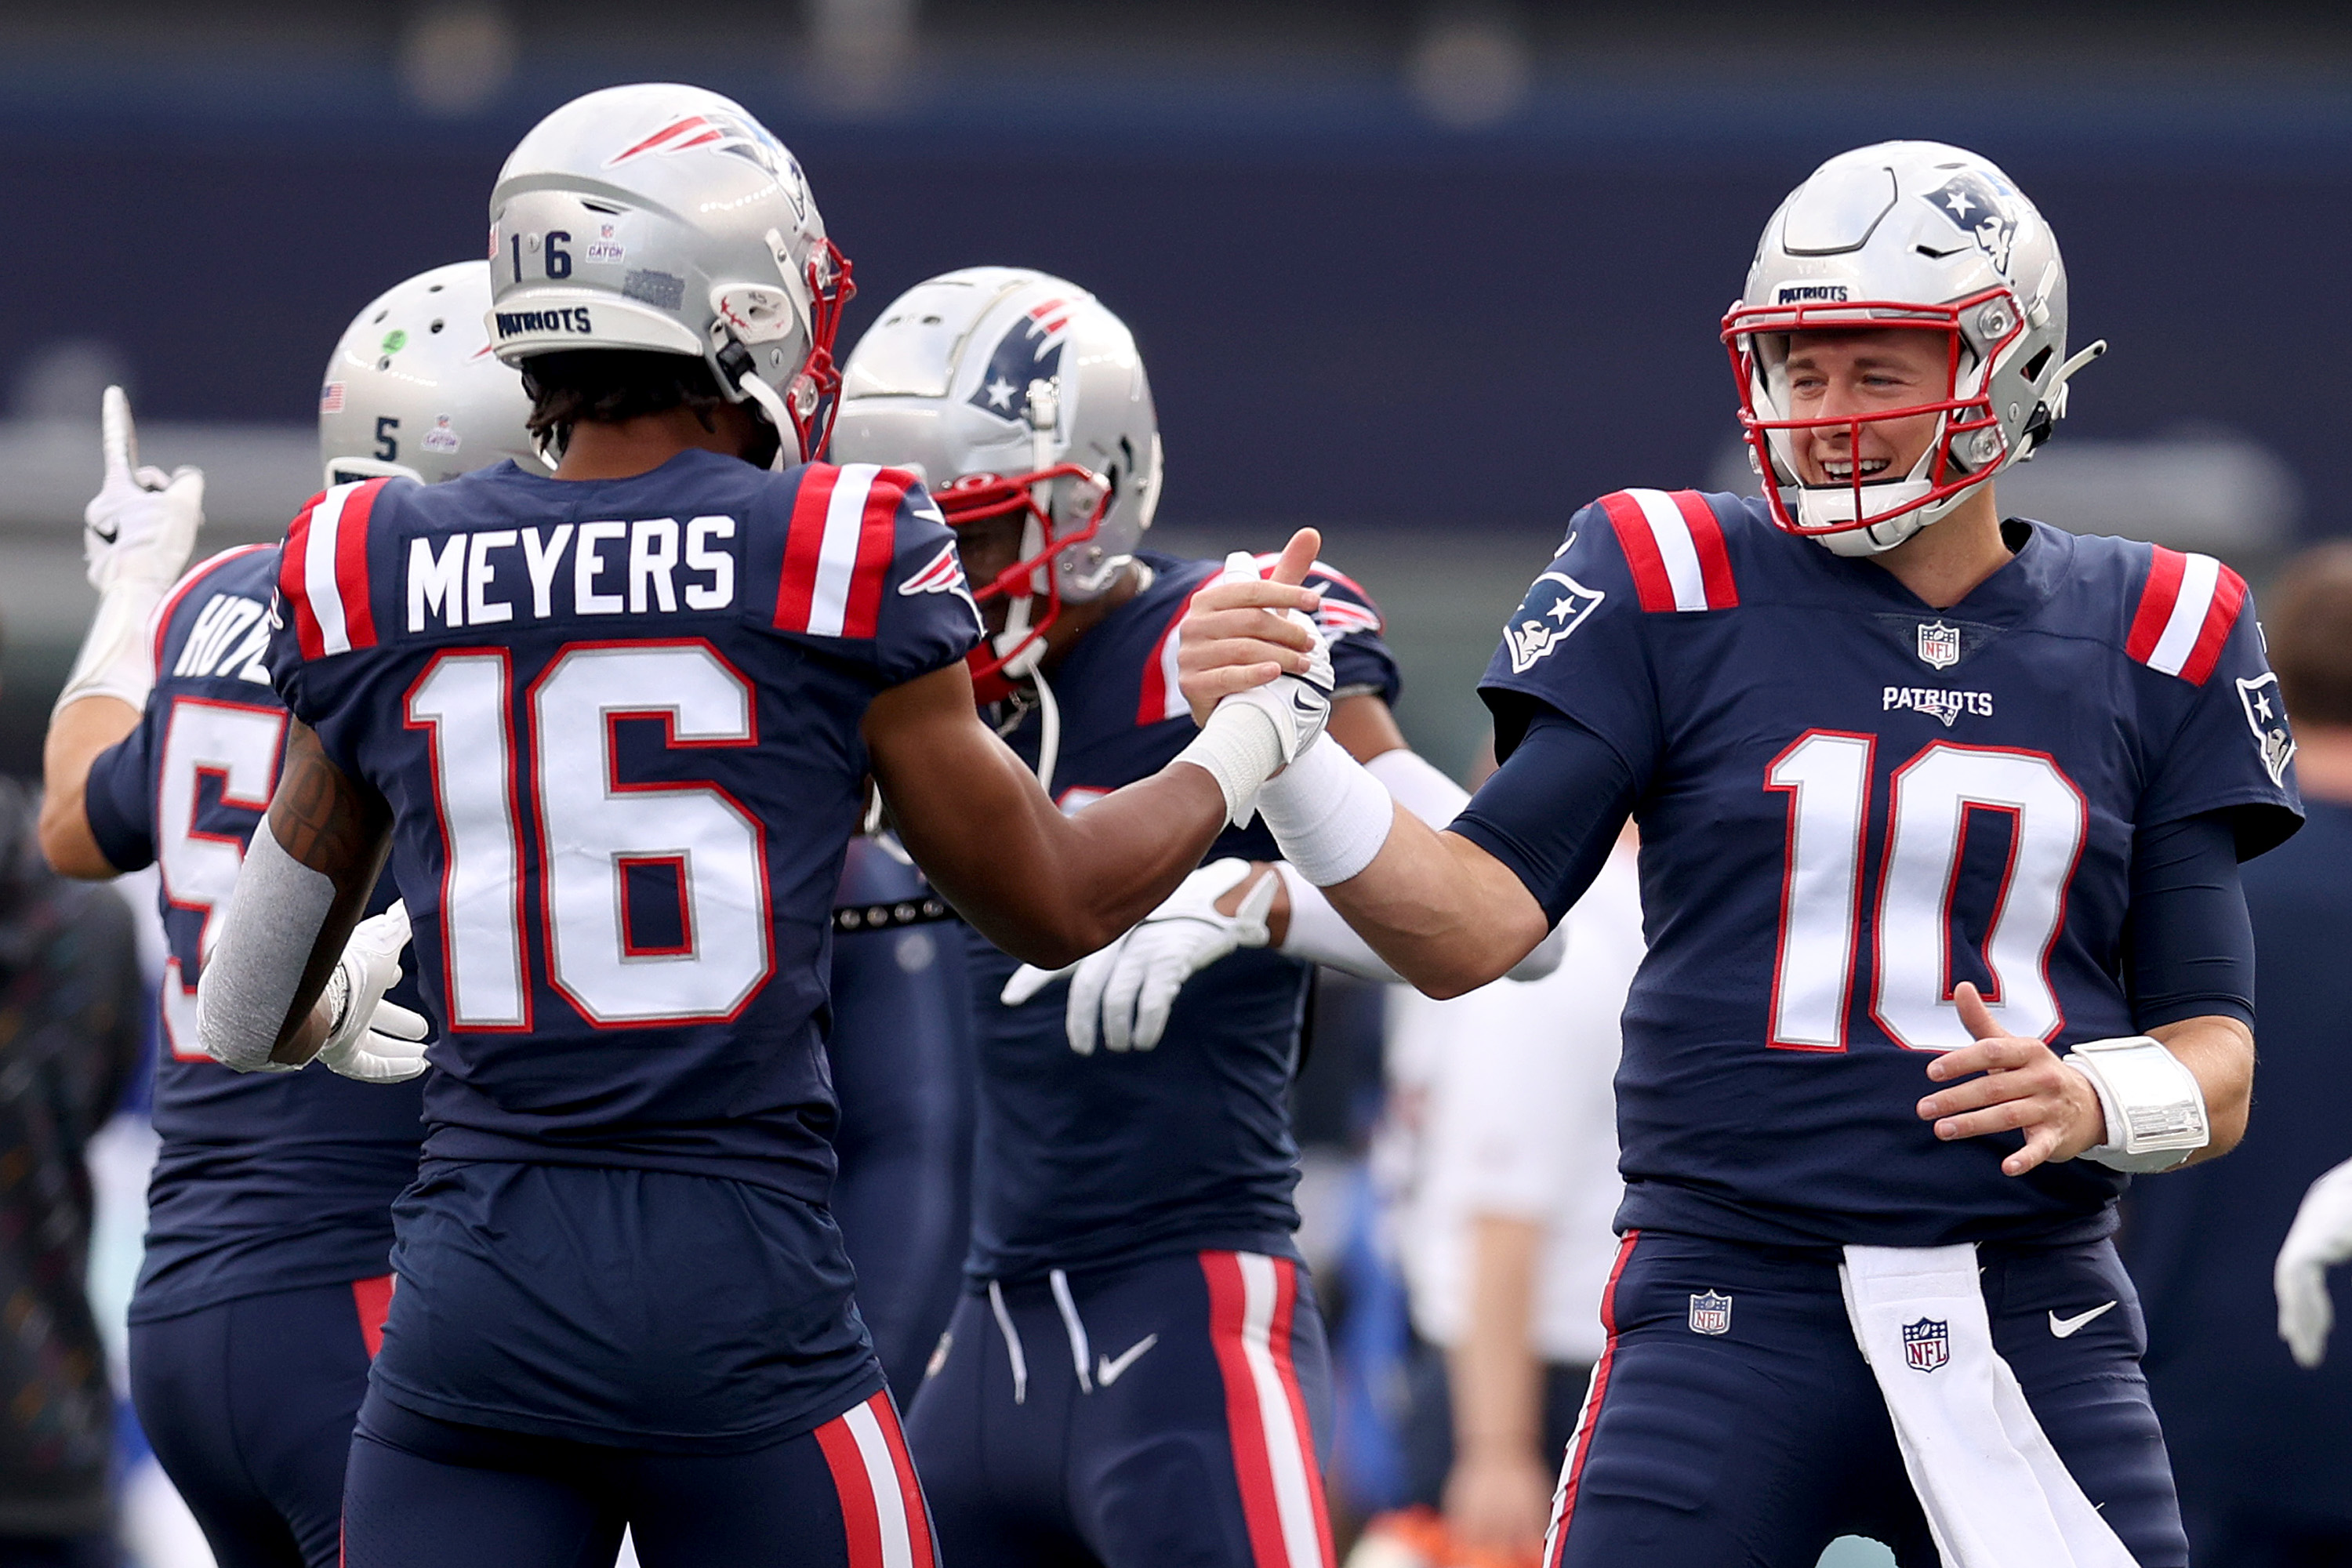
(977, 498)
(813, 398)
(1957, 462)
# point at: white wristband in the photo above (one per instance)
(116, 658)
(1329, 815)
(1237, 747)
(2154, 1107)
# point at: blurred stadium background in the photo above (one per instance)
(1426, 276)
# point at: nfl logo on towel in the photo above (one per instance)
(1710, 1313)
(1928, 1343)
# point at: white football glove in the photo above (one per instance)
(1253, 735)
(141, 527)
(371, 1039)
(2321, 1236)
(1132, 984)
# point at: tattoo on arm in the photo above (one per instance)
(321, 818)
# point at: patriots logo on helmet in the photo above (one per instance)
(1031, 351)
(722, 133)
(1969, 203)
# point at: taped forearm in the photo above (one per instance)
(255, 967)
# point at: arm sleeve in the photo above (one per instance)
(2191, 946)
(1553, 809)
(116, 804)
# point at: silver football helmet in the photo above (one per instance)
(666, 218)
(1013, 392)
(1917, 236)
(412, 390)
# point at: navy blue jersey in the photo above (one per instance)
(1083, 1162)
(1849, 804)
(265, 1181)
(617, 725)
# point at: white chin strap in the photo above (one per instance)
(788, 439)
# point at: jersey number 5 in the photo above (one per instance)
(592, 828)
(1826, 776)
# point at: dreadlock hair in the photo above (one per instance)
(606, 386)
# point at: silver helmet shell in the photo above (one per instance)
(1906, 234)
(1006, 372)
(666, 218)
(412, 390)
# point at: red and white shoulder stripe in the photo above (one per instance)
(882, 1510)
(160, 622)
(1674, 545)
(2186, 609)
(1252, 1297)
(844, 530)
(323, 574)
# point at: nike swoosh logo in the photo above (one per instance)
(2064, 1328)
(1107, 1371)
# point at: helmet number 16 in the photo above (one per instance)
(558, 260)
(1826, 776)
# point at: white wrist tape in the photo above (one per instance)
(1329, 815)
(266, 933)
(1418, 786)
(1319, 935)
(116, 658)
(2154, 1110)
(1237, 747)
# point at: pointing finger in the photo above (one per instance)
(116, 437)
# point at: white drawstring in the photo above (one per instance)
(1077, 1331)
(1011, 1343)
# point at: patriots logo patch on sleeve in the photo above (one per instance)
(943, 574)
(1546, 618)
(2266, 716)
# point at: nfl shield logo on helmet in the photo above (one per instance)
(1710, 1312)
(1928, 1343)
(1940, 644)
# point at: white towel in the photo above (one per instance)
(1995, 1492)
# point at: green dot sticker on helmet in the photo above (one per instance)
(394, 341)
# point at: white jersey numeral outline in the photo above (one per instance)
(238, 743)
(592, 829)
(1930, 799)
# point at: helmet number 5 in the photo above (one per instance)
(1932, 800)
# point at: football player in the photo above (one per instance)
(1941, 817)
(612, 726)
(900, 1050)
(269, 1216)
(1137, 1373)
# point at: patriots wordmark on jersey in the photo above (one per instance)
(1091, 1162)
(1850, 802)
(265, 1182)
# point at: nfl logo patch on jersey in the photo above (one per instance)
(1940, 644)
(1710, 1312)
(1928, 1343)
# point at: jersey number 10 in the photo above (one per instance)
(1826, 776)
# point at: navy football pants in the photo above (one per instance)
(249, 1407)
(425, 1493)
(1163, 1414)
(1756, 1445)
